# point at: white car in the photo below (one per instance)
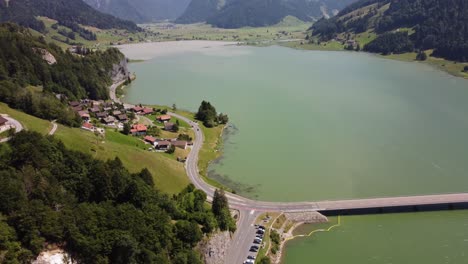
(249, 261)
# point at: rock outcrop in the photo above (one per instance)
(46, 55)
(120, 71)
(215, 249)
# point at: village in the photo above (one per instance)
(159, 130)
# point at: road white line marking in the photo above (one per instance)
(252, 212)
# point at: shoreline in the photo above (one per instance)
(434, 62)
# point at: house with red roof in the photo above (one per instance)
(87, 126)
(164, 118)
(147, 111)
(138, 130)
(149, 139)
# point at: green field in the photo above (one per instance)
(29, 122)
(169, 175)
(289, 28)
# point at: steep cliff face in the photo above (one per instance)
(120, 71)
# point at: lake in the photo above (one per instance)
(314, 125)
(310, 125)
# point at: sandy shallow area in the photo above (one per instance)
(146, 51)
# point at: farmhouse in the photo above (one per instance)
(84, 115)
(138, 130)
(102, 115)
(87, 126)
(180, 144)
(122, 118)
(150, 139)
(162, 145)
(164, 118)
(147, 111)
(108, 120)
(168, 126)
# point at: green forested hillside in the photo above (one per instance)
(257, 13)
(440, 25)
(68, 12)
(96, 210)
(22, 65)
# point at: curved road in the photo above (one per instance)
(15, 123)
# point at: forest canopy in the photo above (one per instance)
(440, 25)
(96, 210)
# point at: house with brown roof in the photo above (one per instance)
(74, 104)
(116, 113)
(122, 118)
(147, 111)
(168, 126)
(102, 115)
(84, 115)
(77, 108)
(108, 120)
(162, 145)
(164, 118)
(94, 110)
(182, 144)
(137, 109)
(138, 130)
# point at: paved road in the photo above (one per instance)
(18, 126)
(250, 209)
(112, 89)
(54, 128)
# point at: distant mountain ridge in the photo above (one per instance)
(438, 25)
(256, 13)
(141, 11)
(67, 12)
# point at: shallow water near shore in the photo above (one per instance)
(316, 125)
(427, 237)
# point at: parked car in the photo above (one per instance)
(251, 257)
(249, 261)
(254, 248)
(260, 231)
(257, 241)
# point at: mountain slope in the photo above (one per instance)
(440, 25)
(200, 11)
(68, 12)
(255, 13)
(141, 11)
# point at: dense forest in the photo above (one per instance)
(256, 13)
(21, 65)
(24, 12)
(437, 24)
(96, 210)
